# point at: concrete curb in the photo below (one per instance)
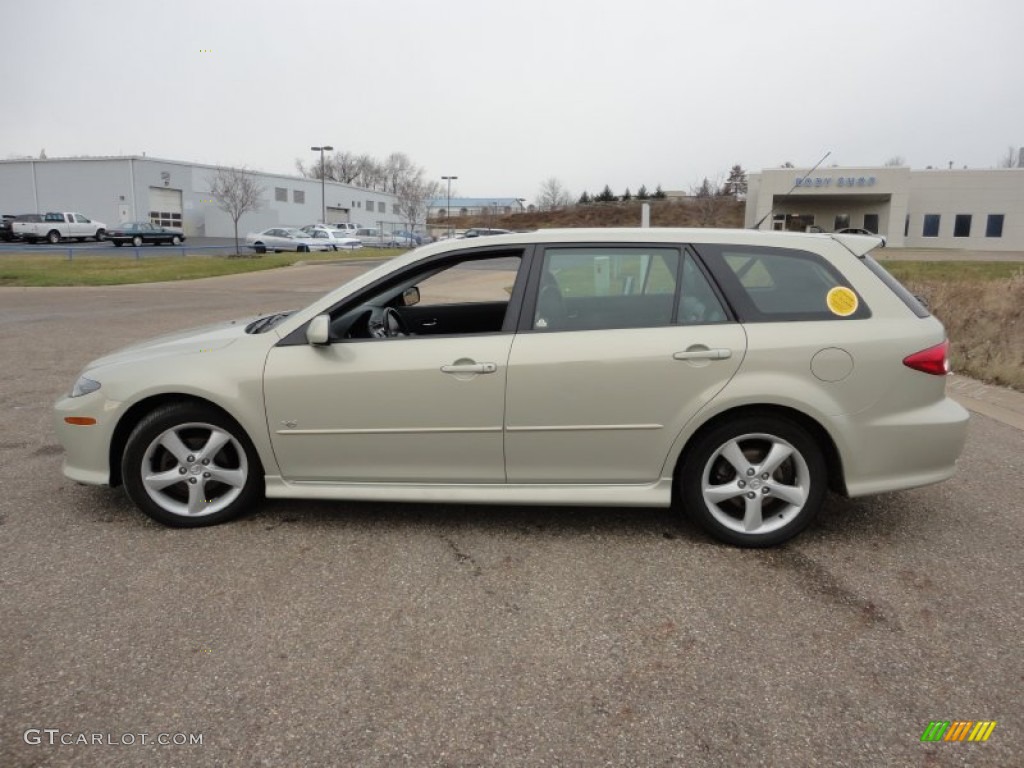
(999, 403)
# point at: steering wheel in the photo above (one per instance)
(386, 323)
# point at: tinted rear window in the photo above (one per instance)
(912, 302)
(766, 284)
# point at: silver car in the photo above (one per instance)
(740, 375)
(277, 239)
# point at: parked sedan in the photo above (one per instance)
(739, 375)
(279, 239)
(375, 238)
(141, 232)
(338, 239)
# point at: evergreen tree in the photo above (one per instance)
(658, 194)
(736, 184)
(642, 194)
(606, 196)
(626, 196)
(584, 198)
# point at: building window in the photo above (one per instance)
(994, 225)
(395, 209)
(298, 196)
(281, 194)
(931, 225)
(962, 225)
(369, 205)
(871, 222)
(842, 221)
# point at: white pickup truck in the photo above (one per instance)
(58, 226)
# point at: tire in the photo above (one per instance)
(168, 444)
(137, 241)
(53, 236)
(175, 240)
(302, 249)
(101, 235)
(260, 248)
(725, 466)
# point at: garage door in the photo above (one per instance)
(165, 207)
(337, 215)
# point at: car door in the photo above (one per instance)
(619, 346)
(425, 408)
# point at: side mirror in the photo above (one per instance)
(410, 296)
(318, 332)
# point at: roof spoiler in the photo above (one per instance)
(860, 245)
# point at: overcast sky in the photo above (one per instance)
(506, 94)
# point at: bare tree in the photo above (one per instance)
(1009, 160)
(414, 195)
(710, 202)
(236, 193)
(552, 196)
(896, 161)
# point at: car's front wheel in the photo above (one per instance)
(175, 240)
(190, 465)
(755, 481)
(137, 241)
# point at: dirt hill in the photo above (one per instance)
(721, 212)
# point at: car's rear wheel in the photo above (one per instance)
(302, 249)
(53, 237)
(755, 481)
(260, 248)
(137, 241)
(190, 465)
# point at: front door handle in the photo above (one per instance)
(460, 367)
(703, 354)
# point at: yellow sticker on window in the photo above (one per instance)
(842, 301)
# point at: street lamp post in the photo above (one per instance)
(448, 214)
(323, 183)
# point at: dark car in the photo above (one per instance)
(6, 231)
(140, 232)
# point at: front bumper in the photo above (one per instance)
(86, 448)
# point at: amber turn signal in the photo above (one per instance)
(81, 421)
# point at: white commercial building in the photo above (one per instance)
(969, 209)
(177, 194)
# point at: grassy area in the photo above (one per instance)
(54, 268)
(952, 271)
(984, 319)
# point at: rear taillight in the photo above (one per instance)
(934, 360)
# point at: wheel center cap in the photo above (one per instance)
(195, 469)
(755, 483)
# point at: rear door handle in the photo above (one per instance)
(469, 368)
(703, 354)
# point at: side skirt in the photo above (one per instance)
(658, 494)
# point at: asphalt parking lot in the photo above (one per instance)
(343, 634)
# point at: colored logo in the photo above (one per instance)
(841, 301)
(958, 730)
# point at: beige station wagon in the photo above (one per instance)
(738, 374)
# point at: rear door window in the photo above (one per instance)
(780, 284)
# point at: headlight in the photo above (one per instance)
(84, 386)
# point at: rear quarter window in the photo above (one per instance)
(766, 284)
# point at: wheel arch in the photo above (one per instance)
(821, 436)
(138, 411)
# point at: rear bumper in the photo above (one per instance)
(904, 450)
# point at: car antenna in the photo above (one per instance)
(797, 184)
